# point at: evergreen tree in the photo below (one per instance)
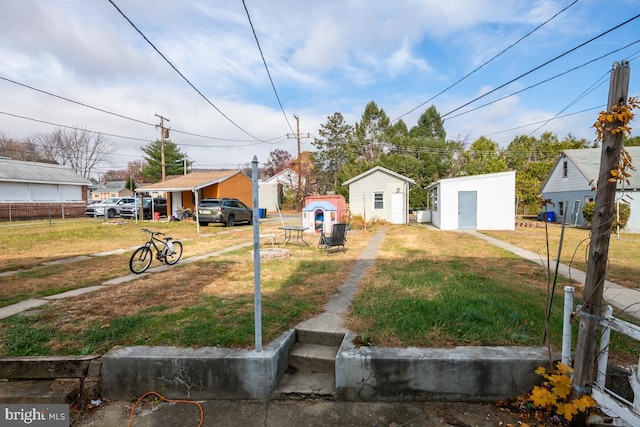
(173, 160)
(331, 151)
(371, 134)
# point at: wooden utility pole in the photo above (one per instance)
(299, 162)
(164, 133)
(583, 372)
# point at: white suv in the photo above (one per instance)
(108, 208)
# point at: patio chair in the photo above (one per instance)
(336, 239)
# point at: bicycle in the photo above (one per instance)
(167, 250)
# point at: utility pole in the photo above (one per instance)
(583, 373)
(164, 133)
(297, 136)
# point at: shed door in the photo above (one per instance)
(398, 214)
(467, 210)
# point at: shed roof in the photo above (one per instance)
(40, 173)
(192, 181)
(378, 169)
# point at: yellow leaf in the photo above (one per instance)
(540, 371)
(611, 180)
(615, 172)
(565, 369)
(584, 403)
(567, 410)
(542, 398)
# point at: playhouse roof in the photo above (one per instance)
(320, 204)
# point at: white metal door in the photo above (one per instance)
(398, 214)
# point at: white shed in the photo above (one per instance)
(476, 202)
(380, 194)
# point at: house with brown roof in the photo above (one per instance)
(185, 191)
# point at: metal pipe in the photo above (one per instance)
(566, 325)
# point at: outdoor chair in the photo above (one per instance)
(336, 239)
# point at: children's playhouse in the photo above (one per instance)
(321, 212)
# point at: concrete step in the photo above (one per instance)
(63, 391)
(312, 336)
(305, 357)
(305, 385)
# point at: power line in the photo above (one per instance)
(102, 110)
(602, 80)
(73, 127)
(255, 36)
(487, 62)
(542, 65)
(543, 81)
(179, 73)
(76, 102)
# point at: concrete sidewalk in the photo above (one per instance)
(615, 295)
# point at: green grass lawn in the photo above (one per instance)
(427, 288)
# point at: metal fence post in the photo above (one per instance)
(566, 325)
(603, 357)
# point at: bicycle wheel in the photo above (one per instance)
(140, 259)
(175, 257)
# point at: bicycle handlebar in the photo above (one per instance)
(146, 230)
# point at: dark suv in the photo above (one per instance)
(225, 211)
(130, 210)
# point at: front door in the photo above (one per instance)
(467, 210)
(398, 214)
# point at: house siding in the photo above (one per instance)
(495, 201)
(574, 181)
(361, 195)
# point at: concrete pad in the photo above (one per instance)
(40, 391)
(124, 279)
(74, 293)
(12, 310)
(9, 273)
(113, 252)
(67, 260)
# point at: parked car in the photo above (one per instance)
(130, 210)
(109, 208)
(226, 211)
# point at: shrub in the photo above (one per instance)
(625, 211)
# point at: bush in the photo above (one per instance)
(625, 211)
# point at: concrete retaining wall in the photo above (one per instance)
(480, 374)
(202, 374)
(457, 374)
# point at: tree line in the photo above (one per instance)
(424, 154)
(341, 151)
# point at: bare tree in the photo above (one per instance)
(78, 148)
(18, 150)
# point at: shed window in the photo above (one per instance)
(433, 199)
(378, 200)
(565, 169)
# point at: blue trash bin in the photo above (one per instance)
(262, 213)
(551, 217)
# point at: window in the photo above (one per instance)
(565, 169)
(561, 208)
(433, 199)
(378, 200)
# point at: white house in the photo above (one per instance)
(271, 190)
(572, 183)
(34, 182)
(476, 202)
(380, 194)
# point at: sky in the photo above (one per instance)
(491, 68)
